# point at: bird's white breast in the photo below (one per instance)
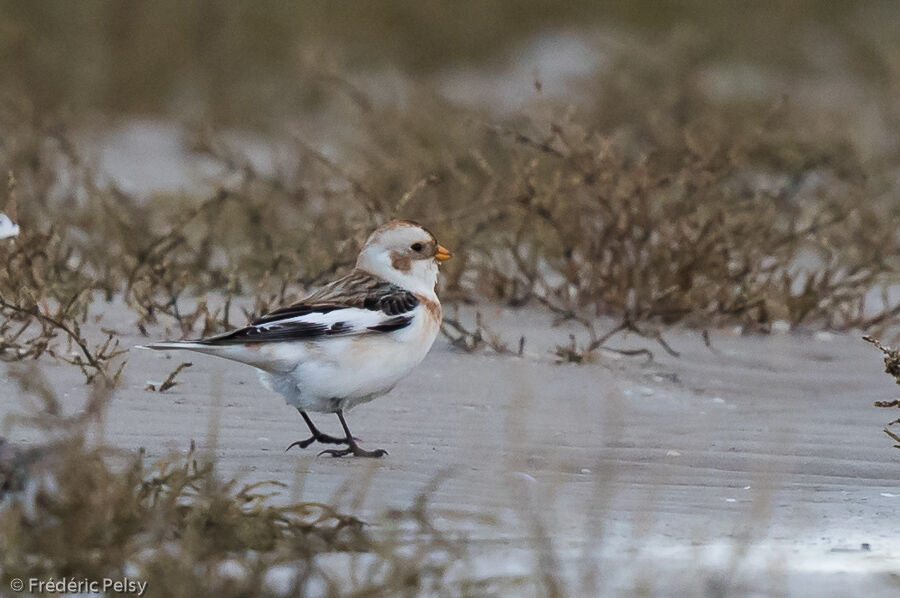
(345, 371)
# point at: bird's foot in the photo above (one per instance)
(356, 451)
(323, 438)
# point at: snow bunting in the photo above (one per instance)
(352, 340)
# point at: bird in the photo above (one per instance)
(348, 342)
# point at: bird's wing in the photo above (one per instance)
(358, 303)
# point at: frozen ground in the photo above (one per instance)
(756, 467)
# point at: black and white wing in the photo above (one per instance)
(358, 303)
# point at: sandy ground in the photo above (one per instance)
(757, 467)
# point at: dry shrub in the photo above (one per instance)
(892, 368)
(650, 202)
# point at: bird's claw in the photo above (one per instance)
(355, 451)
(323, 438)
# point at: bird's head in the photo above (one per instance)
(405, 254)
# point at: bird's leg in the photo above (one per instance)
(317, 436)
(352, 447)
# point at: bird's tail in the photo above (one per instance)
(182, 345)
(259, 359)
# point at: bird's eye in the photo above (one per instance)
(416, 247)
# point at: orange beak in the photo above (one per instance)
(442, 255)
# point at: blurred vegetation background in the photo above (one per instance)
(697, 162)
(239, 62)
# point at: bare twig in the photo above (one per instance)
(169, 382)
(92, 359)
